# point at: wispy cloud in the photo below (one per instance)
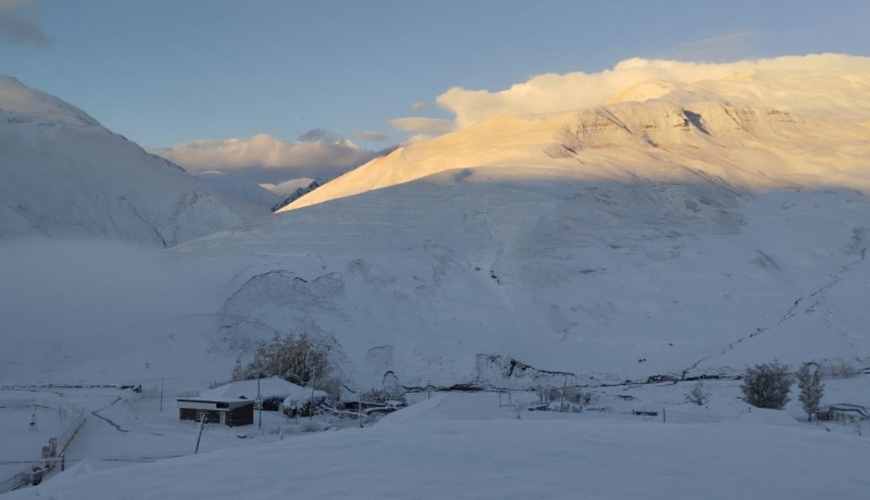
(264, 158)
(371, 135)
(18, 27)
(421, 106)
(730, 47)
(421, 125)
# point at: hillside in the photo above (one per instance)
(685, 235)
(689, 234)
(239, 187)
(64, 175)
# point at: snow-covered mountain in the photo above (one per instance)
(240, 188)
(679, 230)
(297, 193)
(285, 188)
(65, 175)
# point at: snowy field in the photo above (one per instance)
(22, 442)
(470, 445)
(464, 445)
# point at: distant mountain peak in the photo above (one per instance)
(17, 98)
(65, 175)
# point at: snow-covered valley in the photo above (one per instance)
(675, 232)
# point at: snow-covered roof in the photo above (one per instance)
(302, 396)
(847, 407)
(269, 387)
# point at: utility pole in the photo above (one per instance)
(259, 402)
(201, 428)
(311, 403)
(161, 394)
(359, 408)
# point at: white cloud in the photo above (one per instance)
(268, 159)
(421, 125)
(421, 106)
(553, 93)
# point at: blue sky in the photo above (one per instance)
(163, 72)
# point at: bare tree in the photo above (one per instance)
(697, 395)
(811, 387)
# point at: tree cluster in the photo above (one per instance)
(301, 360)
(572, 398)
(767, 386)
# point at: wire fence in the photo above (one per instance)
(52, 453)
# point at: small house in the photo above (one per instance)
(272, 391)
(843, 412)
(225, 411)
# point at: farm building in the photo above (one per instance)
(226, 411)
(843, 411)
(273, 387)
(273, 391)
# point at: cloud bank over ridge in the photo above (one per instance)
(265, 158)
(549, 93)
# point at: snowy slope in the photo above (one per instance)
(691, 234)
(240, 188)
(686, 235)
(751, 148)
(65, 175)
(677, 231)
(284, 189)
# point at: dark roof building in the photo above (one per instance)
(232, 412)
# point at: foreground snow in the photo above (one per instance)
(503, 459)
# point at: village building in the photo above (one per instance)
(272, 391)
(234, 403)
(232, 412)
(843, 412)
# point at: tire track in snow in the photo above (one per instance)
(96, 413)
(117, 427)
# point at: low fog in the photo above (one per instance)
(64, 303)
